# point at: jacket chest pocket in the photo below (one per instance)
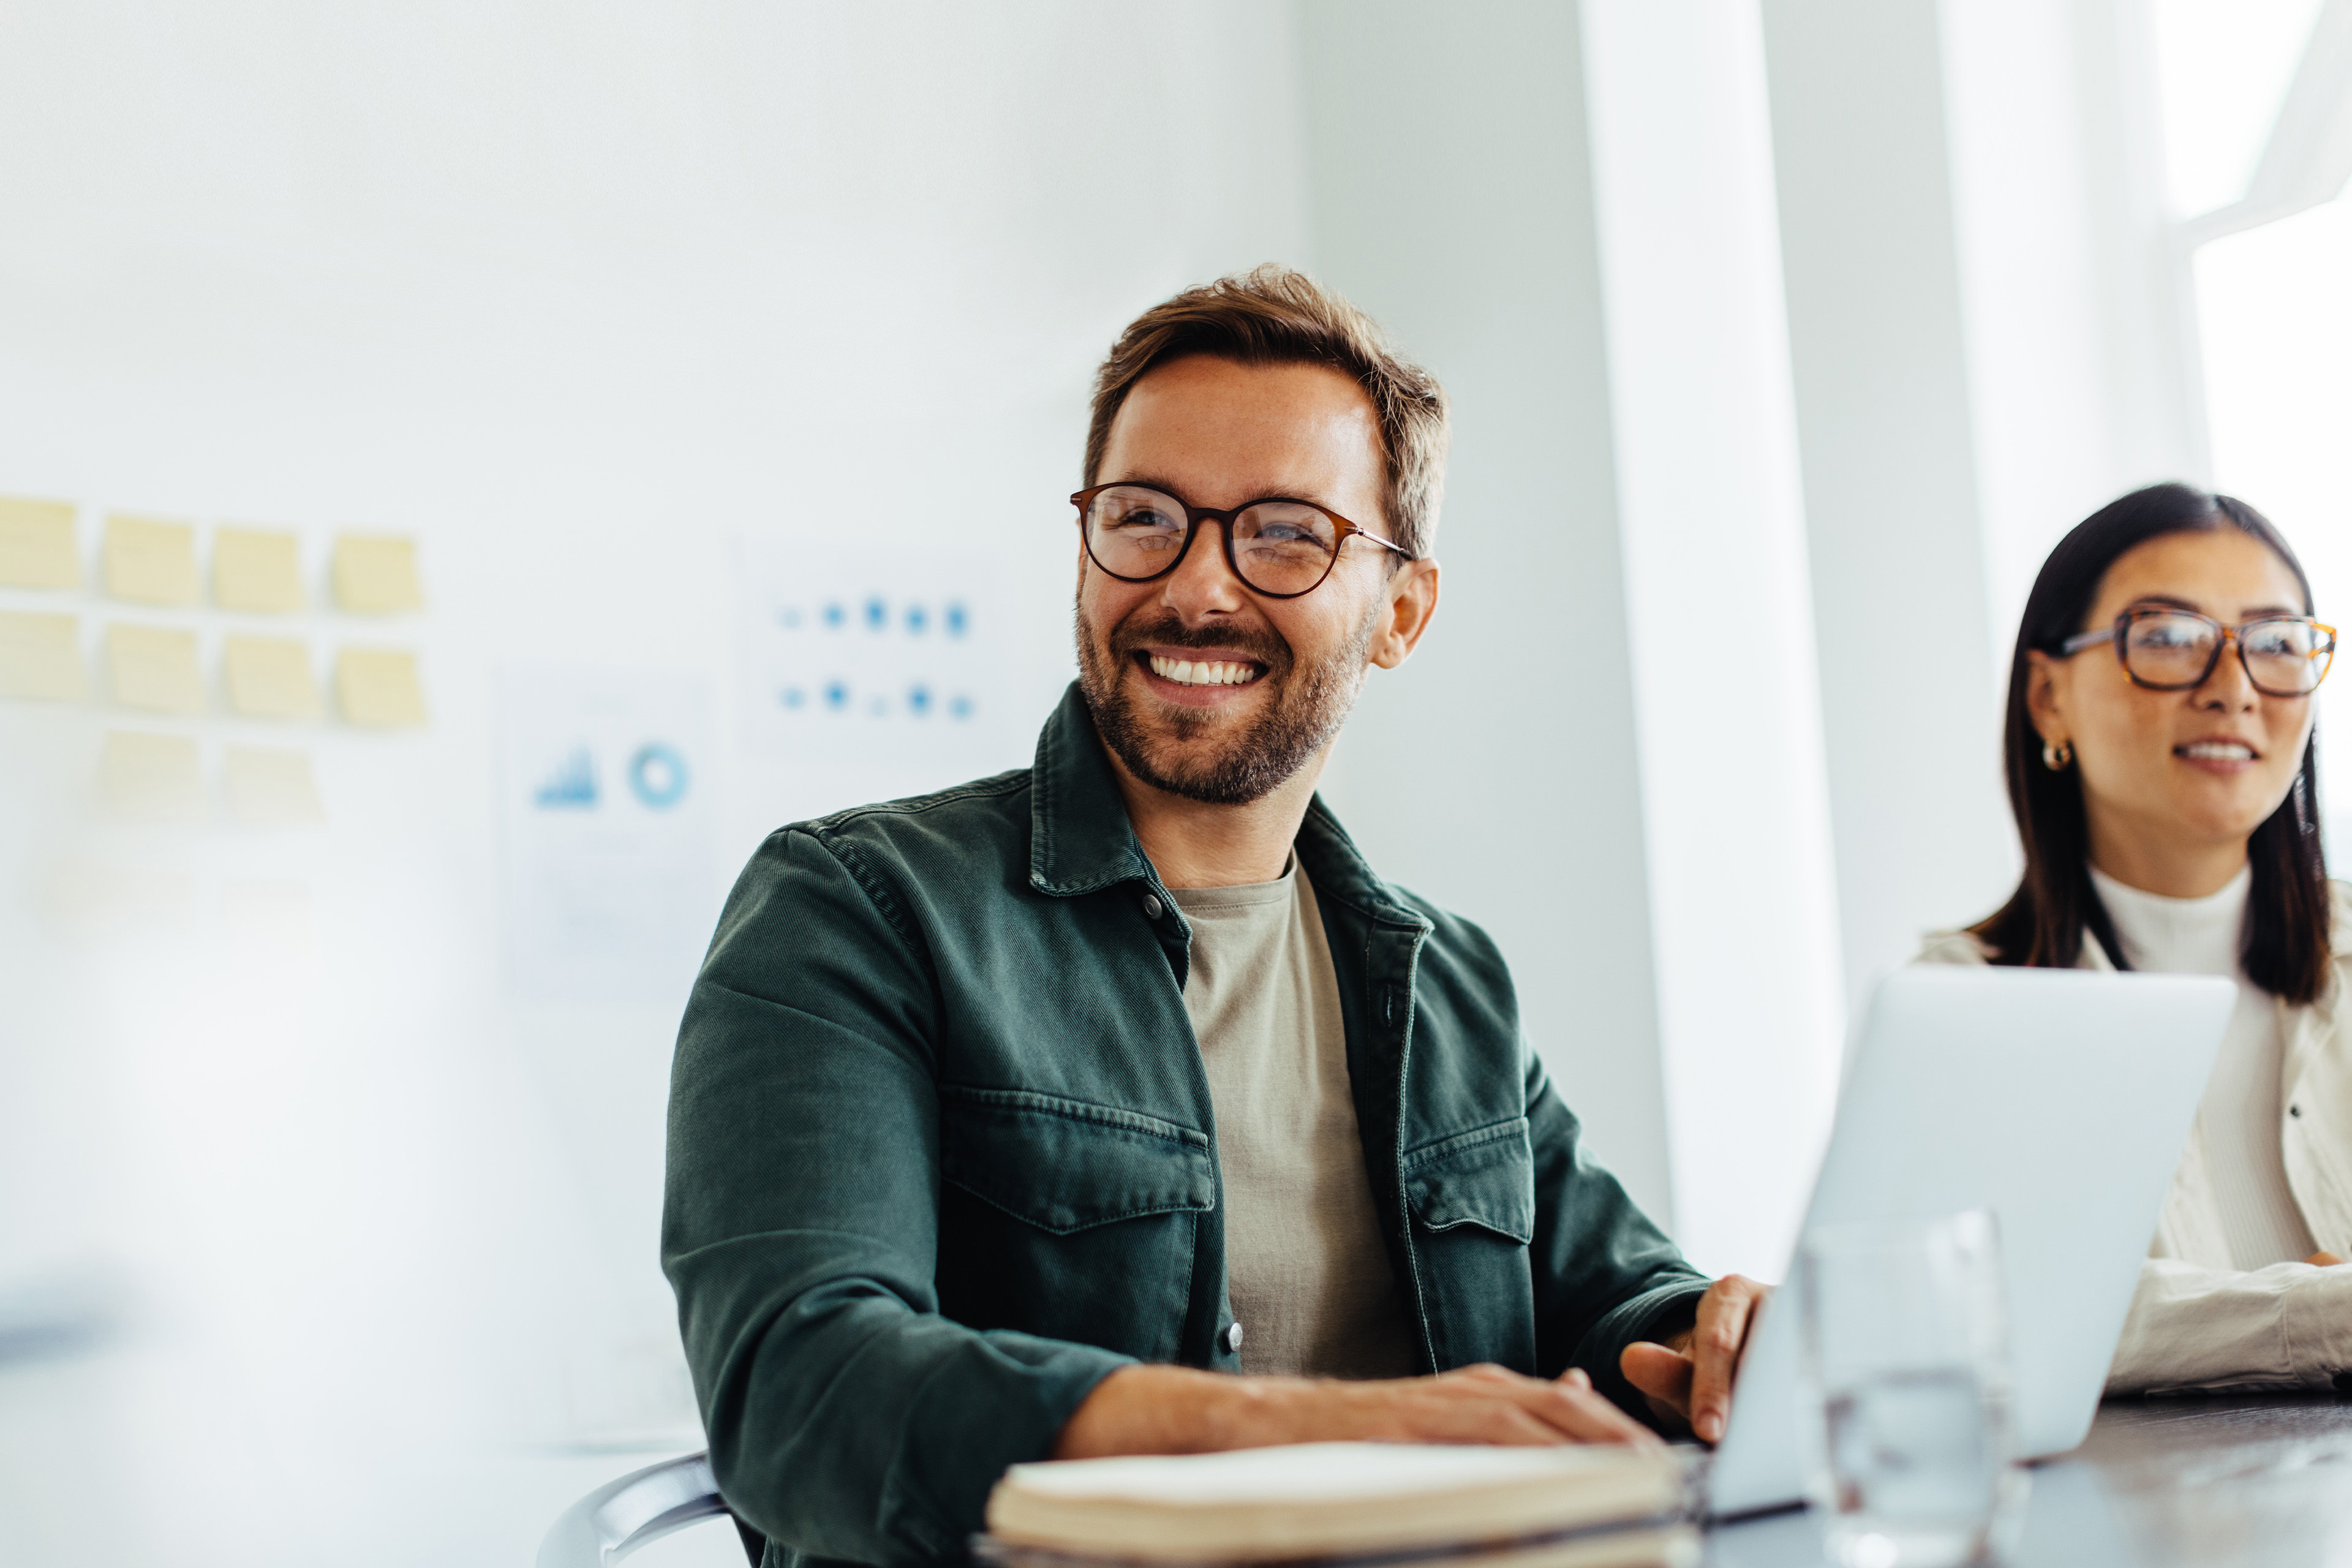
(1067, 1219)
(1473, 1198)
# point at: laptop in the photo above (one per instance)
(2060, 1100)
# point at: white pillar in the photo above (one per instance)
(1897, 550)
(1743, 896)
(1497, 773)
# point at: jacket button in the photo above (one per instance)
(1153, 906)
(1231, 1339)
(2294, 1111)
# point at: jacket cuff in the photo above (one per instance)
(2315, 1321)
(1004, 1404)
(1654, 1314)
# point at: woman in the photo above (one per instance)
(2161, 769)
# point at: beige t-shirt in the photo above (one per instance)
(1308, 1275)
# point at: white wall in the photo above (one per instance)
(1813, 319)
(573, 296)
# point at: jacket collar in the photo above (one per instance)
(1340, 873)
(1080, 840)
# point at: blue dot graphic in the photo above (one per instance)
(919, 620)
(918, 701)
(960, 706)
(957, 619)
(877, 613)
(834, 615)
(792, 697)
(836, 696)
(657, 776)
(790, 619)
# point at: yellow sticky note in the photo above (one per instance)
(40, 656)
(270, 677)
(36, 544)
(270, 788)
(155, 667)
(258, 571)
(150, 561)
(148, 775)
(272, 912)
(375, 574)
(91, 899)
(378, 688)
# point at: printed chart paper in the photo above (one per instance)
(887, 662)
(607, 814)
(36, 544)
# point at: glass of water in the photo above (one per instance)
(1906, 1349)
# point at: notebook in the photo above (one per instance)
(1574, 1507)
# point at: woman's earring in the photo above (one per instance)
(2058, 757)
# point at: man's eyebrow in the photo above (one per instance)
(1153, 482)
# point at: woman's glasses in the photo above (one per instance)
(1278, 547)
(2175, 651)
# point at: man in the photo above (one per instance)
(1114, 1105)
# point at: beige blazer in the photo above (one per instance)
(2195, 1321)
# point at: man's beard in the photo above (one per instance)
(1310, 703)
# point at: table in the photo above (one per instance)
(2245, 1482)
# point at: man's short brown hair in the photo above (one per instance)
(1271, 315)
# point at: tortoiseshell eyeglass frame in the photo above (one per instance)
(2224, 637)
(1196, 515)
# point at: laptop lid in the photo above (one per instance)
(2060, 1100)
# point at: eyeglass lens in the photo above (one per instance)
(1278, 547)
(2285, 656)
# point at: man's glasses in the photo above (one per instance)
(1278, 547)
(2175, 651)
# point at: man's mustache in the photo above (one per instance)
(1170, 632)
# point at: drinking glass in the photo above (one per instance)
(1906, 1349)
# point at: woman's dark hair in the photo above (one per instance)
(2286, 943)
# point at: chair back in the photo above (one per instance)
(621, 1516)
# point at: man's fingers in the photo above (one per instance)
(1571, 1406)
(1663, 1373)
(1724, 1313)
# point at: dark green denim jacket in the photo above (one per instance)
(941, 1152)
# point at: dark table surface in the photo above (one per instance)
(2240, 1482)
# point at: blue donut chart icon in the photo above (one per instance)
(657, 776)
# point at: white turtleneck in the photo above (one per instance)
(2242, 1103)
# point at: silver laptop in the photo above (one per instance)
(2058, 1098)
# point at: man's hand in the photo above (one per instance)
(1690, 1375)
(1177, 1410)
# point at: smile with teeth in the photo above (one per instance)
(2219, 751)
(1202, 672)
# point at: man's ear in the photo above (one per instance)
(2041, 701)
(1412, 600)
